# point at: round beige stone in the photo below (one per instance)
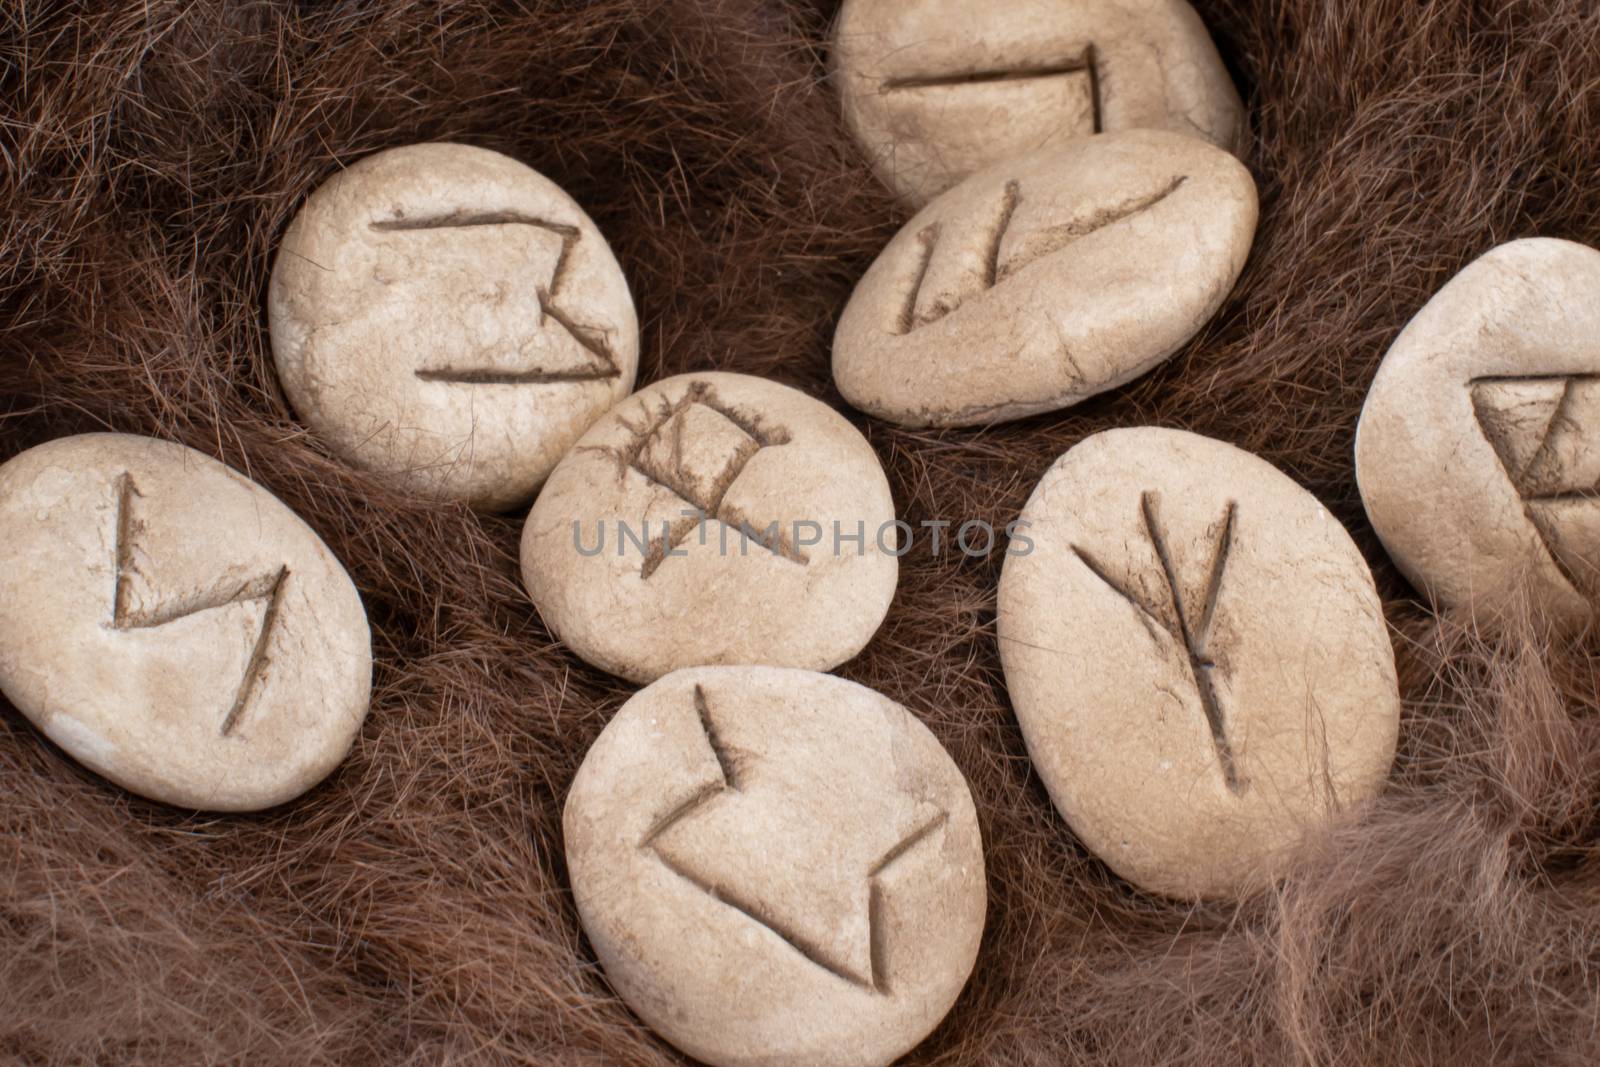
(777, 868)
(1478, 452)
(173, 626)
(695, 524)
(936, 90)
(1197, 657)
(1045, 280)
(450, 318)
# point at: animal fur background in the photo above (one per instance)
(414, 908)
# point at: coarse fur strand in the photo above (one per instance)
(414, 909)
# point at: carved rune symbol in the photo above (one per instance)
(1083, 70)
(1545, 430)
(717, 805)
(598, 362)
(696, 447)
(266, 588)
(928, 300)
(1173, 616)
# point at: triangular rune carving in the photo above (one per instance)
(1545, 431)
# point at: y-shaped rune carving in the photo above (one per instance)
(268, 586)
(729, 785)
(696, 447)
(1186, 623)
(1545, 431)
(918, 310)
(602, 363)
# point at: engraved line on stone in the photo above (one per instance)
(1059, 237)
(1152, 622)
(459, 219)
(811, 951)
(1195, 637)
(586, 336)
(1083, 64)
(123, 554)
(681, 811)
(877, 925)
(877, 937)
(268, 587)
(1494, 432)
(724, 760)
(1092, 60)
(486, 376)
(1567, 496)
(258, 655)
(1008, 208)
(927, 241)
(1490, 379)
(1546, 530)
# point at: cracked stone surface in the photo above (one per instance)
(777, 867)
(750, 456)
(936, 90)
(1197, 657)
(1478, 451)
(1045, 280)
(450, 318)
(173, 626)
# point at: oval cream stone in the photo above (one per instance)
(936, 90)
(696, 524)
(1197, 657)
(776, 867)
(1478, 453)
(1046, 280)
(450, 318)
(173, 626)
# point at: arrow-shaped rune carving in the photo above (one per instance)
(268, 587)
(1187, 624)
(730, 784)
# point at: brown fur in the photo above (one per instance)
(414, 908)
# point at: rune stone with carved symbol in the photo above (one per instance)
(452, 319)
(1197, 657)
(776, 866)
(187, 636)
